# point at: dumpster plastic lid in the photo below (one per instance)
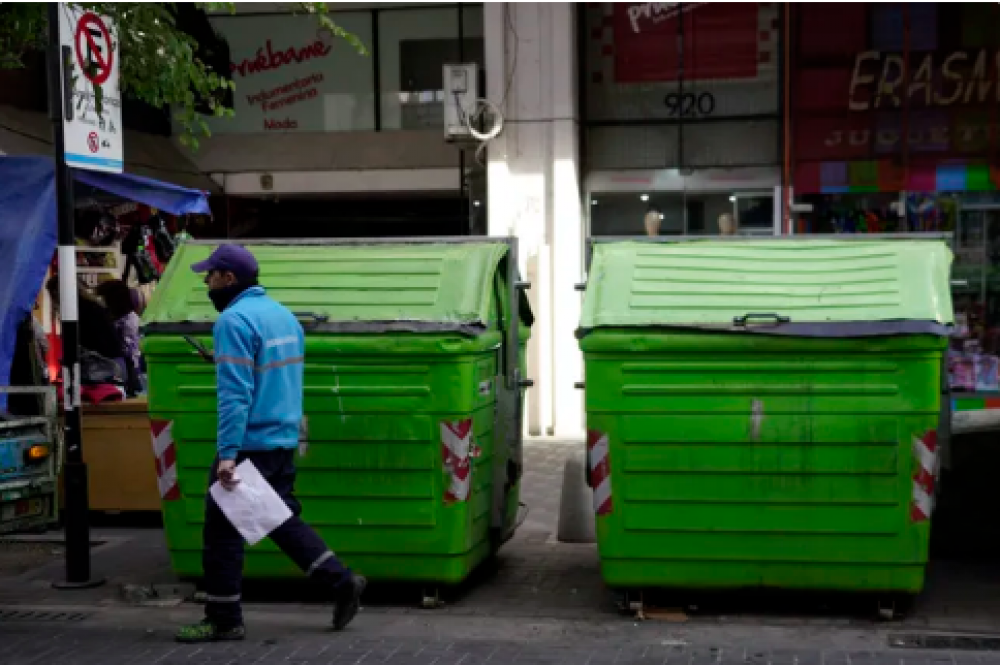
(350, 287)
(807, 287)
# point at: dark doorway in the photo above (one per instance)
(362, 216)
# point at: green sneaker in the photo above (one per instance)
(207, 632)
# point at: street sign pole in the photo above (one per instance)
(77, 513)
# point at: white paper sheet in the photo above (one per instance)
(253, 506)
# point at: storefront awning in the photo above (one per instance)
(28, 226)
(147, 155)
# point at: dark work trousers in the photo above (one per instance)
(223, 555)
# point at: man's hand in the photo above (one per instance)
(226, 472)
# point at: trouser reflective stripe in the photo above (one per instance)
(323, 558)
(223, 599)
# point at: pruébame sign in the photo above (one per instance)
(92, 110)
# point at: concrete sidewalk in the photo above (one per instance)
(301, 634)
(113, 636)
(543, 596)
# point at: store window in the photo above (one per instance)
(293, 76)
(681, 213)
(414, 45)
(974, 354)
(970, 222)
(687, 85)
(872, 155)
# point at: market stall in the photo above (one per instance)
(127, 228)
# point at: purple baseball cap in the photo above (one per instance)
(230, 258)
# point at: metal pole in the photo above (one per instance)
(464, 194)
(78, 575)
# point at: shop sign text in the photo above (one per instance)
(926, 138)
(689, 104)
(654, 13)
(267, 58)
(963, 77)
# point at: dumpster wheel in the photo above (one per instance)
(886, 609)
(432, 599)
(892, 608)
(632, 604)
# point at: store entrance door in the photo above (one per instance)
(977, 246)
(960, 537)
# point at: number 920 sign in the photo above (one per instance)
(689, 104)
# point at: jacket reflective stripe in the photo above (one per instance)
(279, 363)
(281, 341)
(234, 360)
(247, 362)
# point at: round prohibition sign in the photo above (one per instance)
(92, 32)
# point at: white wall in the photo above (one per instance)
(534, 192)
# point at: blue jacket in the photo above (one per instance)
(259, 361)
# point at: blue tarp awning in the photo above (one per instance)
(28, 231)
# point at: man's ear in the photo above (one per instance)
(230, 278)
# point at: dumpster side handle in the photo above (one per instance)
(776, 319)
(316, 318)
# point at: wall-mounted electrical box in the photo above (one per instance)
(461, 90)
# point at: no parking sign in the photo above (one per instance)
(94, 137)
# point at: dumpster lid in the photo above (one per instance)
(348, 287)
(803, 287)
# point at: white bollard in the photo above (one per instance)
(576, 505)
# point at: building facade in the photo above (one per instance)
(615, 112)
(344, 136)
(618, 119)
(781, 118)
(893, 126)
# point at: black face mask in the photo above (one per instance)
(222, 296)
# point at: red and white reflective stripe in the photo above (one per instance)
(599, 459)
(165, 455)
(926, 453)
(457, 453)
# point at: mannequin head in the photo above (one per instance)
(727, 225)
(652, 221)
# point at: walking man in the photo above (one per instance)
(259, 353)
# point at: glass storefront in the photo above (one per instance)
(688, 93)
(680, 213)
(689, 85)
(975, 349)
(413, 45)
(293, 76)
(873, 153)
(970, 221)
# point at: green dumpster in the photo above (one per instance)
(411, 461)
(764, 413)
